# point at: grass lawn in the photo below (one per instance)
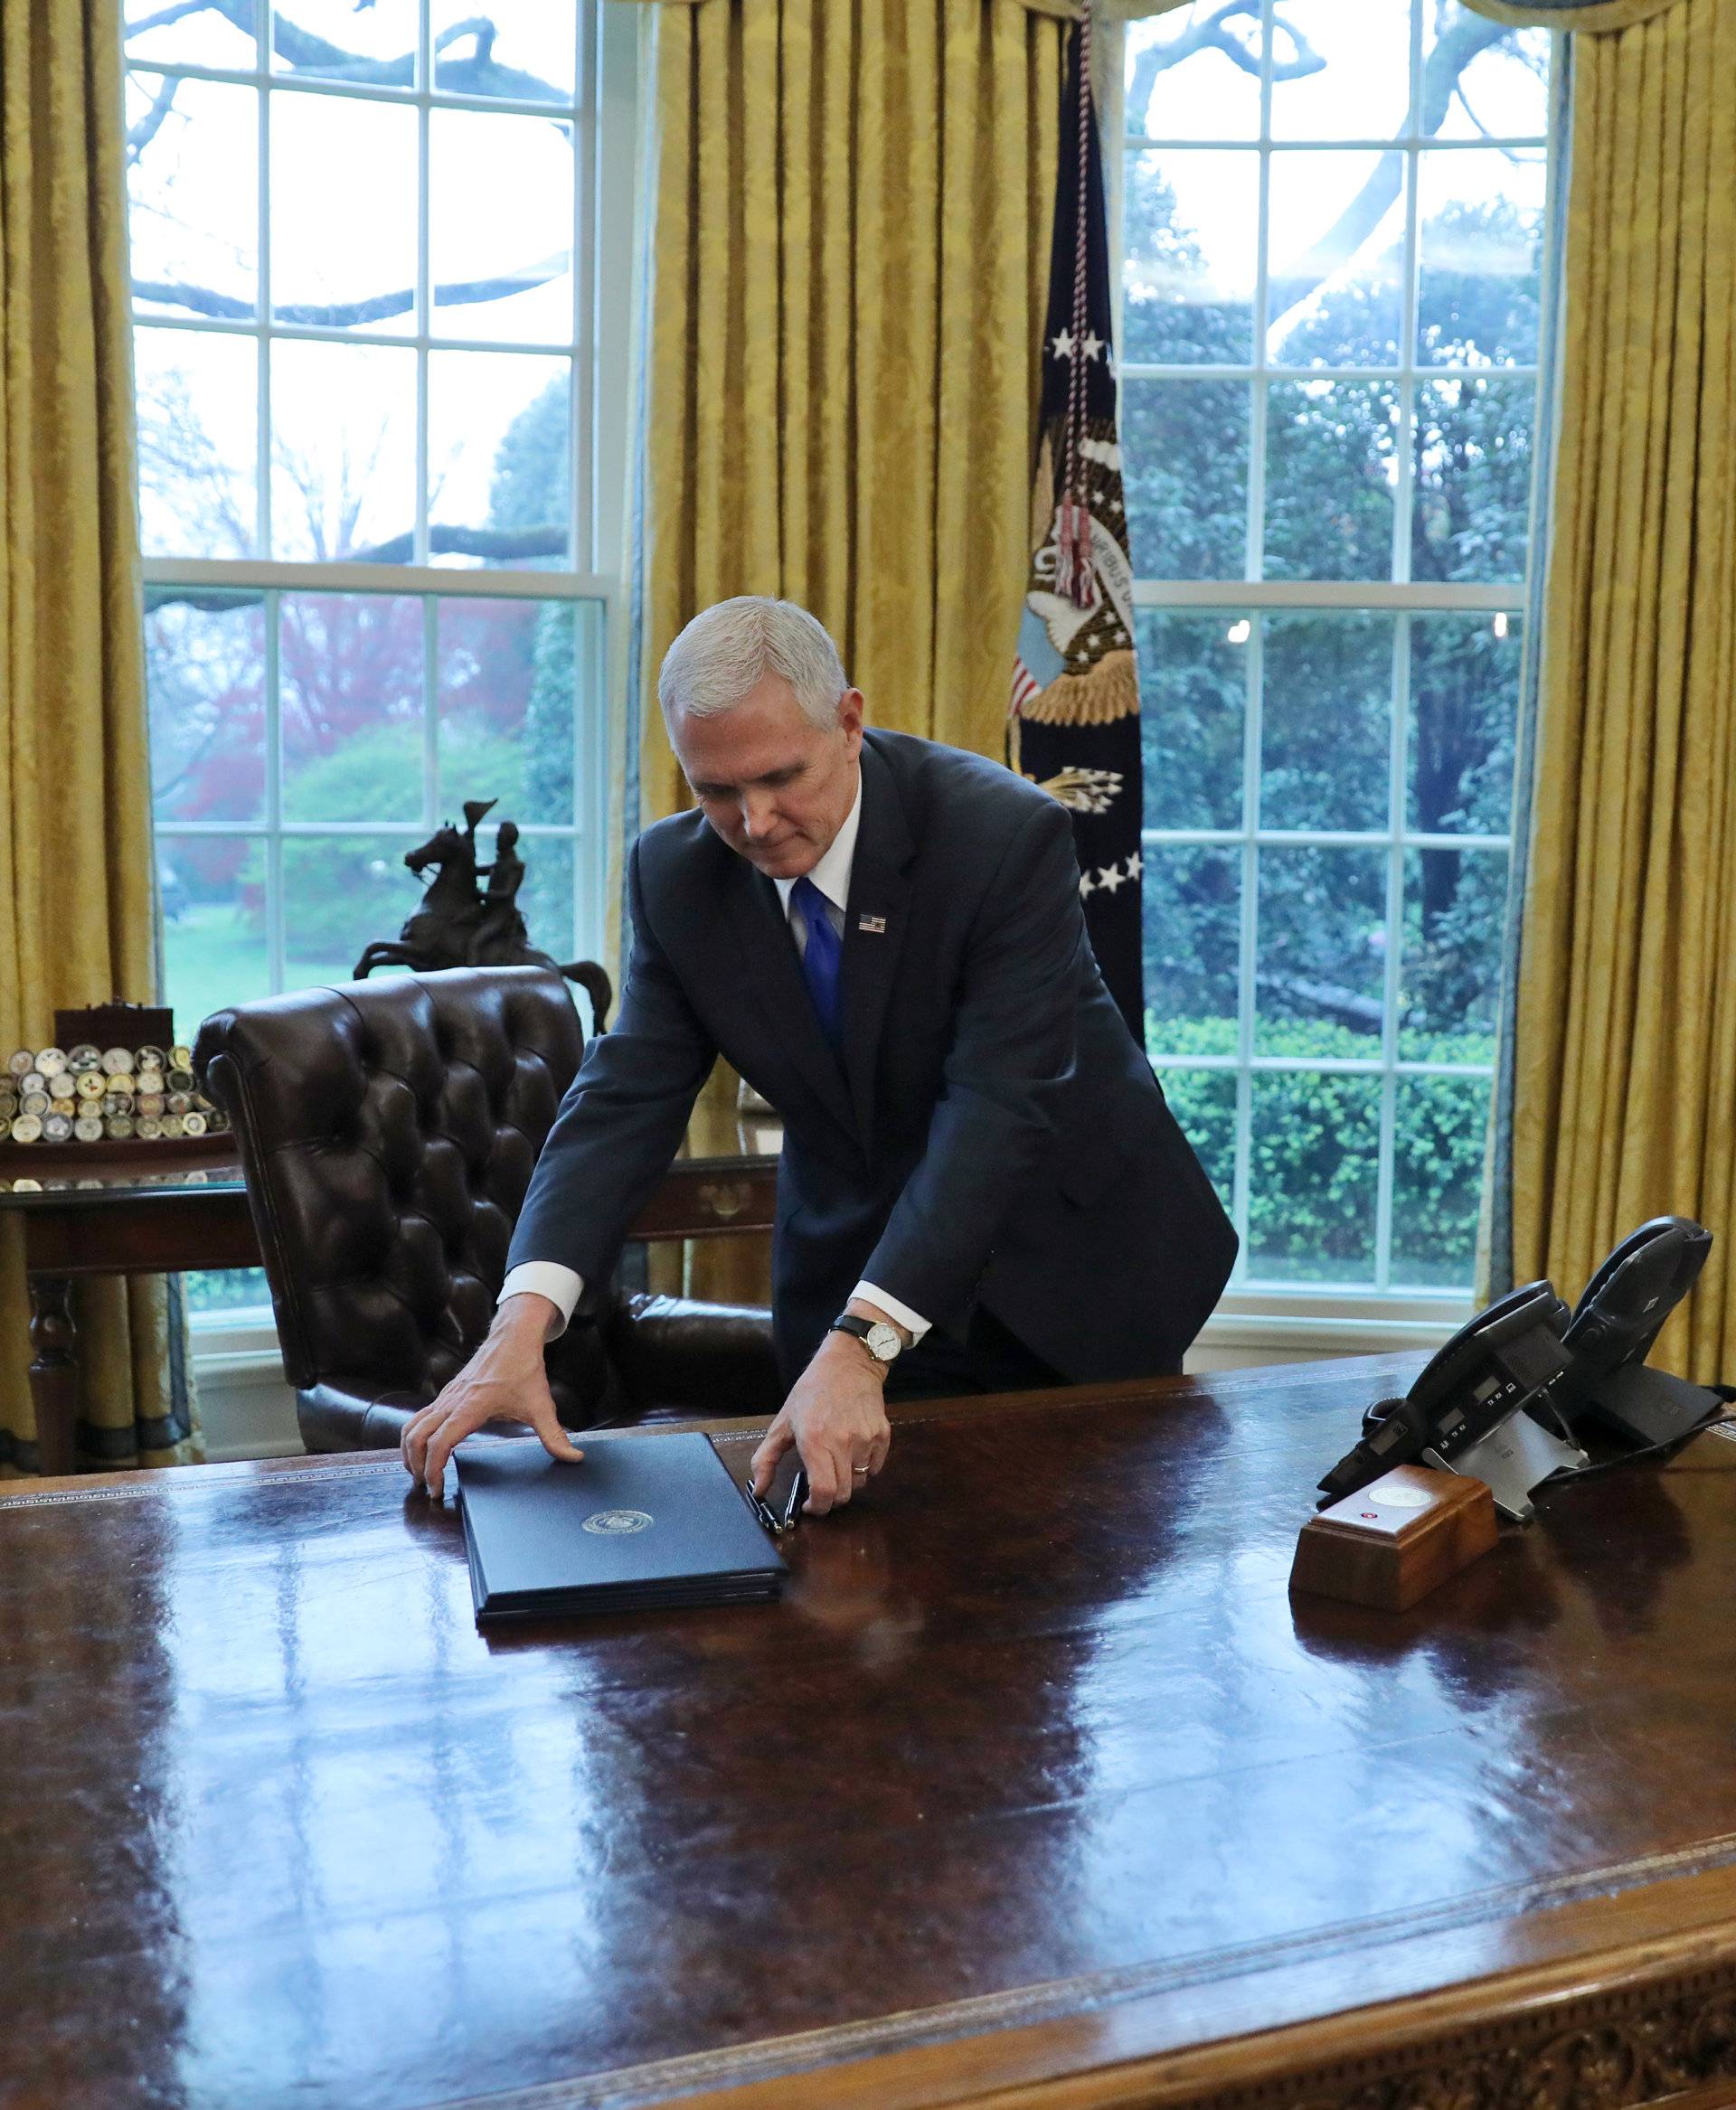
(214, 957)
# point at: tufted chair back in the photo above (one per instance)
(388, 1130)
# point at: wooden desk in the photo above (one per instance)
(136, 1218)
(1037, 1787)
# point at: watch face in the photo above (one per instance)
(883, 1340)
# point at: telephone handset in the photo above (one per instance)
(1612, 1330)
(1466, 1409)
(1503, 1398)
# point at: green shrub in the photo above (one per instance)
(1315, 1150)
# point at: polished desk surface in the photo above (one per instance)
(1037, 1771)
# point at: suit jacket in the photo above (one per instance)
(992, 1133)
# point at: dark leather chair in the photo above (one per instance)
(387, 1130)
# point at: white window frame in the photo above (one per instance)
(1264, 1313)
(237, 1347)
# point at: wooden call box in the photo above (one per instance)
(1394, 1541)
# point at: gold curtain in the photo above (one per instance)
(1625, 1037)
(1108, 10)
(850, 265)
(75, 834)
(1577, 15)
(852, 254)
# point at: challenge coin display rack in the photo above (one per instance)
(114, 1086)
(85, 1094)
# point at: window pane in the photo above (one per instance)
(1464, 708)
(344, 451)
(499, 447)
(1191, 237)
(350, 675)
(339, 41)
(194, 212)
(500, 226)
(1473, 479)
(198, 443)
(1481, 235)
(1185, 455)
(1326, 721)
(1450, 978)
(1340, 68)
(213, 891)
(1204, 1102)
(507, 704)
(1192, 915)
(340, 894)
(1320, 965)
(1439, 1131)
(227, 1289)
(1338, 259)
(1193, 699)
(330, 263)
(1480, 80)
(520, 49)
(1180, 89)
(205, 661)
(1331, 466)
(1314, 1163)
(207, 37)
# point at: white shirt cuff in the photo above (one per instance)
(547, 1279)
(905, 1317)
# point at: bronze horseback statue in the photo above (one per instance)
(459, 926)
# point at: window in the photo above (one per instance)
(380, 302)
(1333, 217)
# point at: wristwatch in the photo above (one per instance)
(883, 1342)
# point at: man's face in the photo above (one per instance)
(776, 787)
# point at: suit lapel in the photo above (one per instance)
(874, 929)
(774, 971)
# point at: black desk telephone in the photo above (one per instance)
(1506, 1398)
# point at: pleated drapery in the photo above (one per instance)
(850, 261)
(850, 256)
(1624, 1055)
(76, 920)
(1114, 10)
(1579, 16)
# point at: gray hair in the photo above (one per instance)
(726, 650)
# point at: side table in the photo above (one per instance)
(139, 1214)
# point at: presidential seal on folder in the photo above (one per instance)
(641, 1524)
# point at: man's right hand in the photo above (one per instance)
(504, 1380)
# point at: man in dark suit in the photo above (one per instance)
(981, 1185)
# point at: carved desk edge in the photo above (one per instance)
(1650, 2020)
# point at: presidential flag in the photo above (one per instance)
(1073, 726)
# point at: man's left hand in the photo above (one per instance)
(836, 1416)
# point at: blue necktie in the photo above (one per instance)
(822, 957)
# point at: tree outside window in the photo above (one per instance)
(363, 253)
(1333, 225)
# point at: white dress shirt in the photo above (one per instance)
(831, 875)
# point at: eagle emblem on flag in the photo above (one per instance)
(1073, 715)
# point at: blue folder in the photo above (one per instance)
(641, 1522)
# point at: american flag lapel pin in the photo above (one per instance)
(875, 926)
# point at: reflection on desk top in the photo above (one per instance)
(71, 1186)
(62, 1190)
(1037, 1756)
